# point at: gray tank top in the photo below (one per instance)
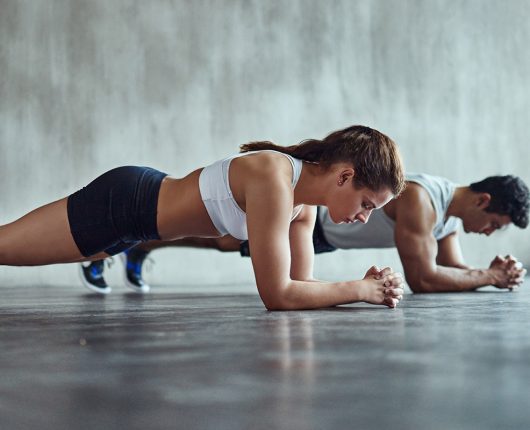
(378, 232)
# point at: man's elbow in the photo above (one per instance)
(421, 284)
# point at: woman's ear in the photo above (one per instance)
(345, 175)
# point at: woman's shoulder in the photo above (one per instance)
(266, 167)
(267, 161)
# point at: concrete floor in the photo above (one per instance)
(196, 359)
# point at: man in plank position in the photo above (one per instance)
(422, 223)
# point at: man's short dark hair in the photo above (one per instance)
(509, 196)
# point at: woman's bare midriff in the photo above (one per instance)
(181, 212)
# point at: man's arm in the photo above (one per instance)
(418, 249)
(450, 253)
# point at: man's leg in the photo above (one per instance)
(134, 258)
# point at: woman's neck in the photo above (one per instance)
(312, 185)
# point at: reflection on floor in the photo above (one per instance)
(185, 358)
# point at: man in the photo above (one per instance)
(422, 223)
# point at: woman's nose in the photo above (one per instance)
(364, 216)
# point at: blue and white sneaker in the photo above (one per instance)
(133, 261)
(91, 274)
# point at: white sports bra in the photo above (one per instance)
(226, 215)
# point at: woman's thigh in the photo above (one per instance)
(41, 237)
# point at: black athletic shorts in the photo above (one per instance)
(116, 211)
(320, 244)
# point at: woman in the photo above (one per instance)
(267, 194)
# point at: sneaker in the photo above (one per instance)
(91, 274)
(133, 261)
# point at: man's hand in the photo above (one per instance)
(507, 272)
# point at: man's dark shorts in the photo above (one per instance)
(320, 244)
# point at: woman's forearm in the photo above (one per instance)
(315, 294)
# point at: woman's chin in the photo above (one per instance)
(335, 221)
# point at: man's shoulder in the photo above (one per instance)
(416, 203)
(415, 193)
(433, 184)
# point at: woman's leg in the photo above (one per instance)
(40, 237)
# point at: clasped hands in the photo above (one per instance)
(508, 272)
(386, 286)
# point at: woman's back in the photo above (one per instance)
(211, 201)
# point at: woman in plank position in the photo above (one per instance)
(266, 194)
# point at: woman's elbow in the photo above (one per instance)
(276, 298)
(275, 307)
(277, 304)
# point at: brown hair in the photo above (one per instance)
(374, 156)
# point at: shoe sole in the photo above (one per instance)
(88, 285)
(144, 289)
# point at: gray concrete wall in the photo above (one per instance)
(89, 85)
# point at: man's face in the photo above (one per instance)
(477, 220)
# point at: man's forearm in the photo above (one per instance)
(451, 279)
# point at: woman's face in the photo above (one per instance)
(347, 203)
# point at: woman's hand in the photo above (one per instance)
(383, 287)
